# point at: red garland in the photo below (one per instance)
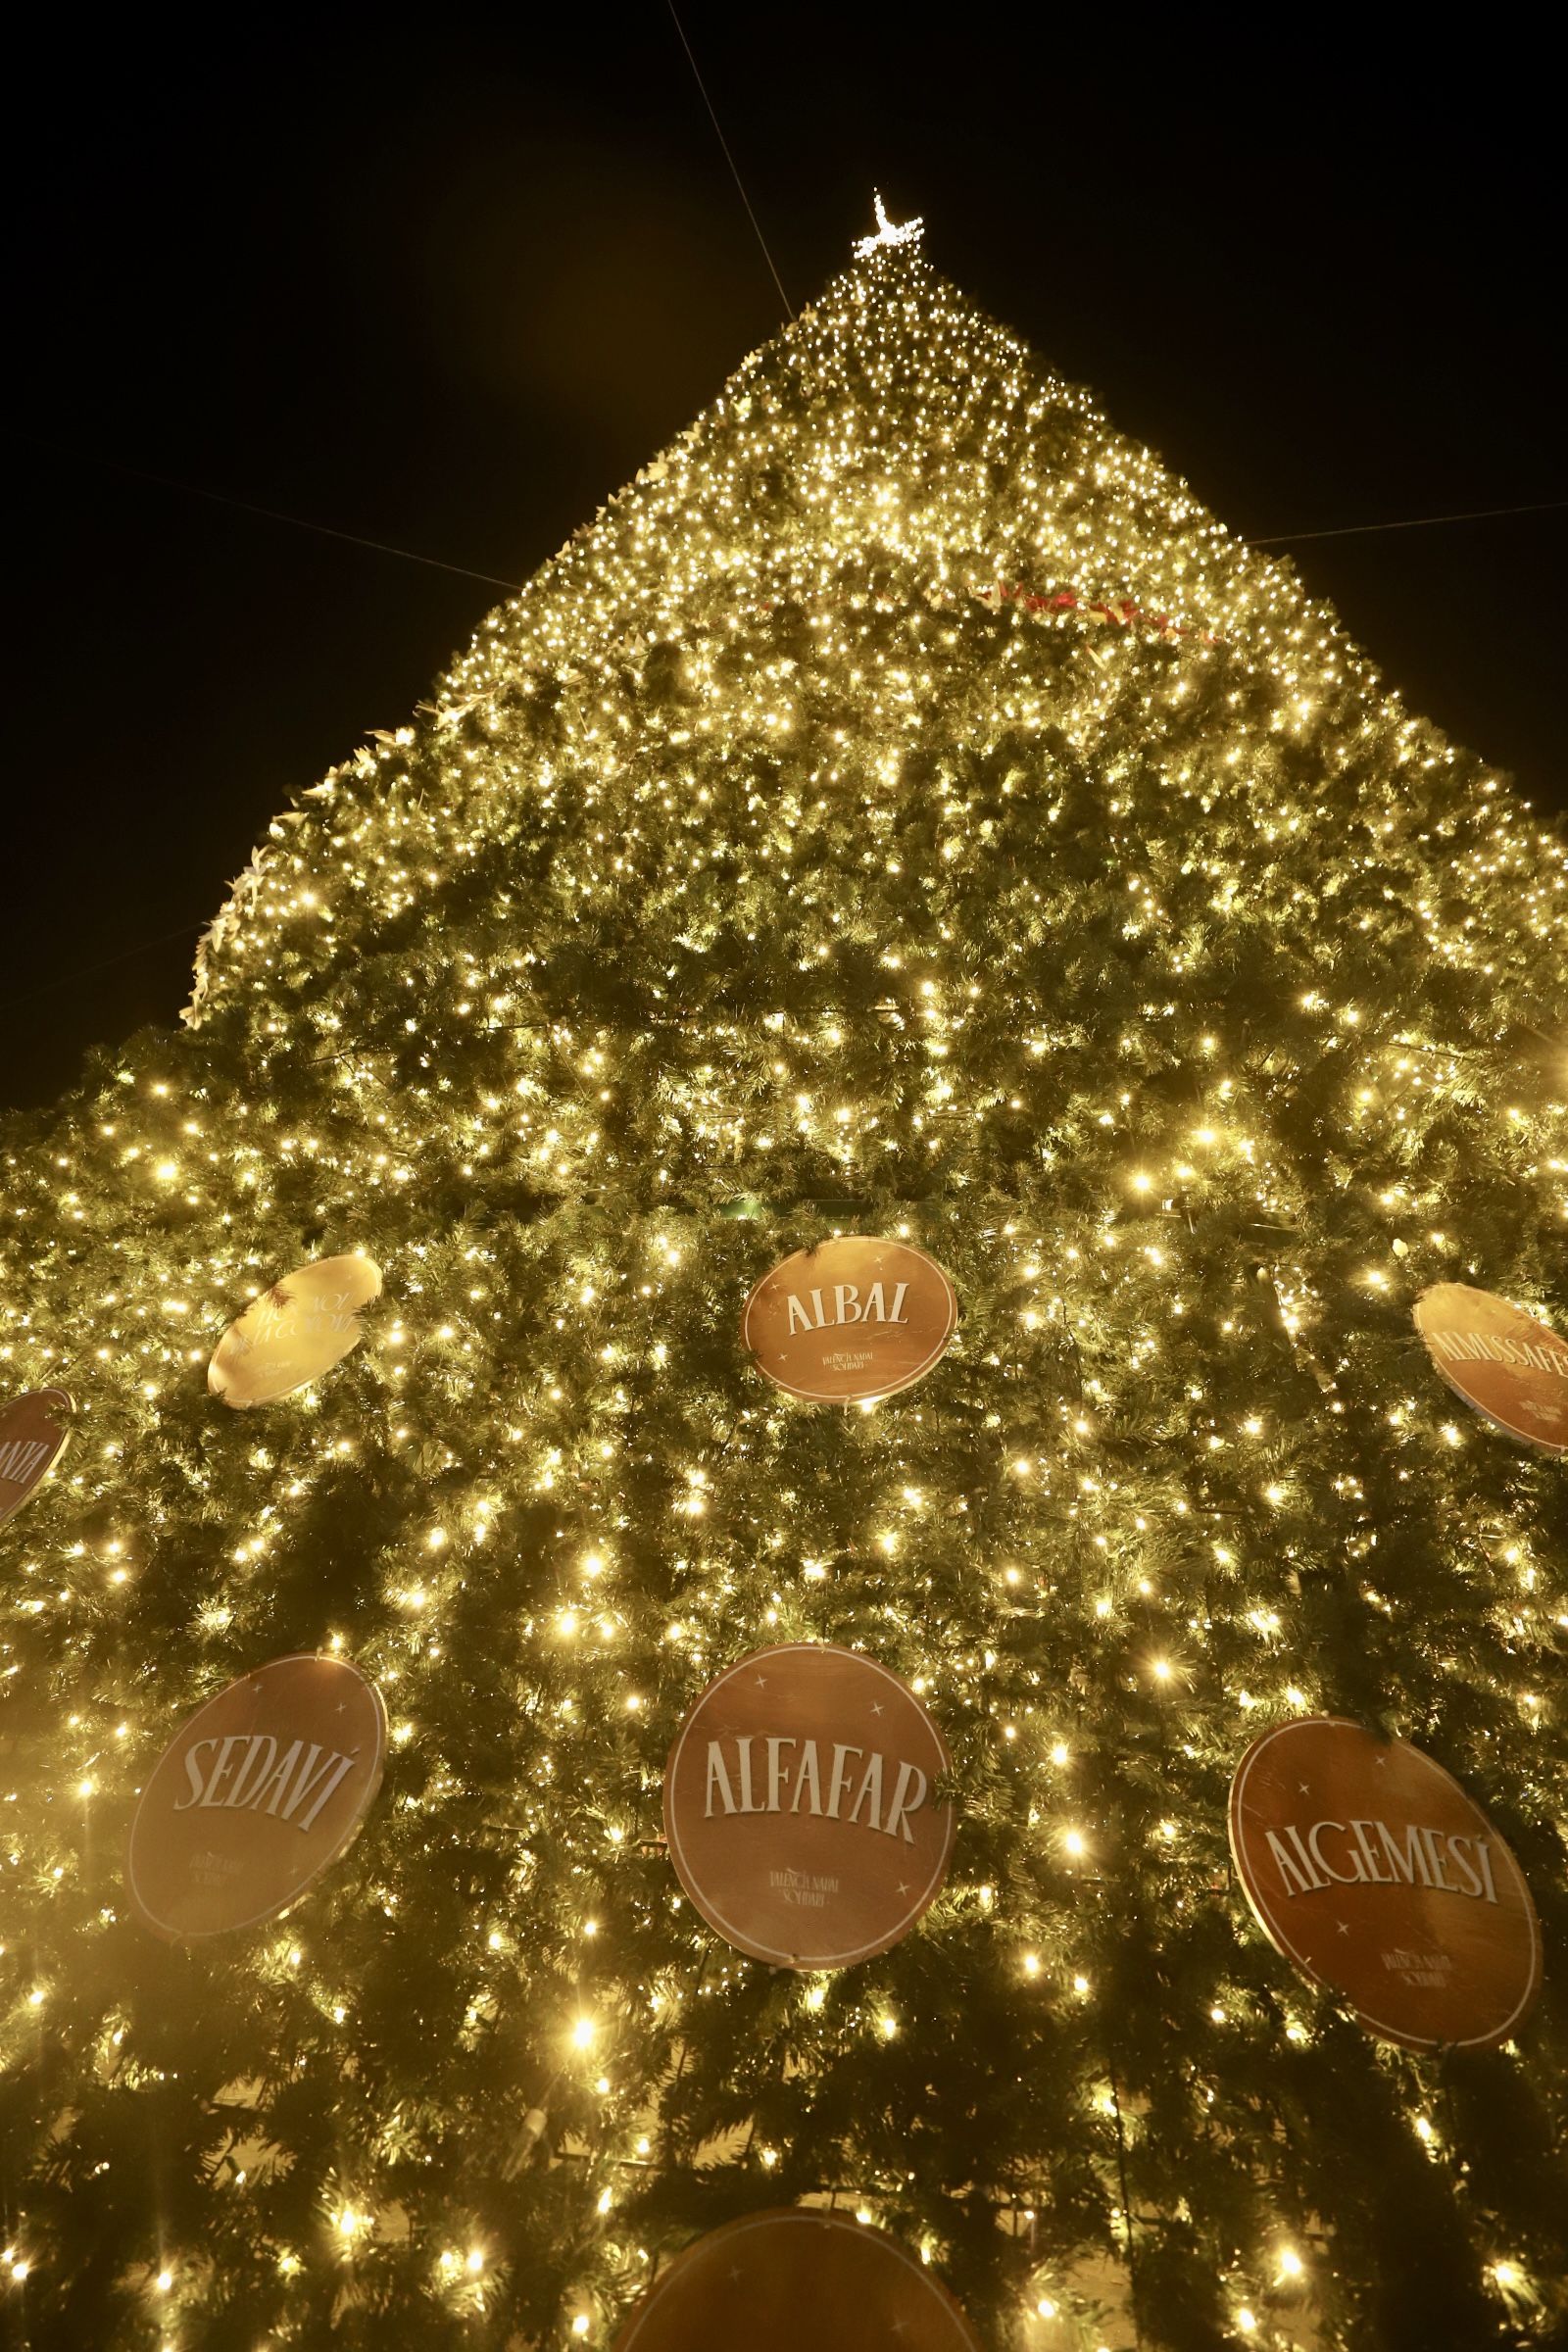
(1123, 615)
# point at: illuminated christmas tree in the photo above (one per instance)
(903, 811)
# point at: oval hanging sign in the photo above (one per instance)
(294, 1332)
(794, 2277)
(255, 1795)
(798, 1806)
(1501, 1361)
(34, 1431)
(852, 1320)
(1369, 1866)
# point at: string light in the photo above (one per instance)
(903, 806)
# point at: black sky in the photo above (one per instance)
(448, 284)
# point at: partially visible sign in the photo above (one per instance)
(294, 1332)
(852, 1320)
(794, 2279)
(798, 1806)
(1501, 1361)
(35, 1430)
(1369, 1866)
(256, 1794)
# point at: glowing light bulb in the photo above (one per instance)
(888, 232)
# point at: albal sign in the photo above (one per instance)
(851, 1320)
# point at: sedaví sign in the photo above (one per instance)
(794, 2279)
(1371, 1868)
(34, 1431)
(798, 1806)
(852, 1320)
(255, 1795)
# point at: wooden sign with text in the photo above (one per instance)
(1368, 1866)
(852, 1320)
(294, 1332)
(257, 1792)
(35, 1430)
(794, 2279)
(798, 1806)
(1501, 1361)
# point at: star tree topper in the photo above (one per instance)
(888, 232)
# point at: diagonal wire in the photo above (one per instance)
(465, 571)
(84, 971)
(728, 158)
(1412, 522)
(248, 506)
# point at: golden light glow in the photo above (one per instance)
(903, 808)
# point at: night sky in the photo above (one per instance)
(449, 290)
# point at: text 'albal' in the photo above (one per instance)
(847, 1307)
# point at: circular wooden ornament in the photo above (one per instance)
(262, 1788)
(294, 1332)
(1369, 1867)
(1500, 1360)
(34, 1431)
(852, 1320)
(796, 1806)
(794, 2279)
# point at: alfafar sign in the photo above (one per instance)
(794, 2279)
(255, 1796)
(849, 1321)
(1370, 1867)
(799, 1806)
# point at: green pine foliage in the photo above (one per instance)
(804, 850)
